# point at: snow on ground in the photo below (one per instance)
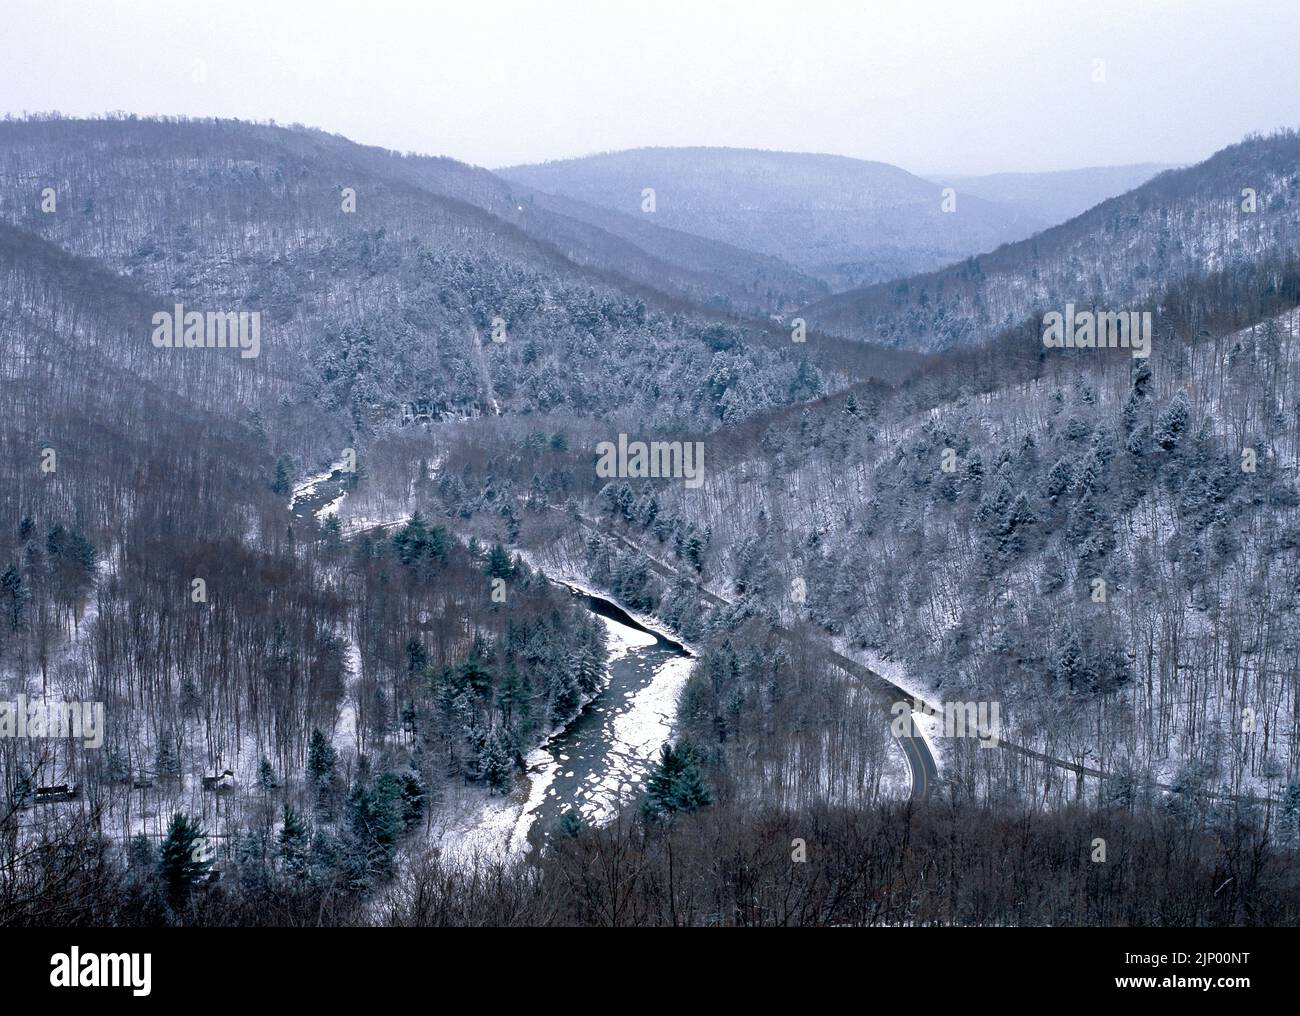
(930, 728)
(345, 731)
(473, 824)
(354, 524)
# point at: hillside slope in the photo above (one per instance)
(1182, 224)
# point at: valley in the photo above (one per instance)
(532, 540)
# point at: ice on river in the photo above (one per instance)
(639, 725)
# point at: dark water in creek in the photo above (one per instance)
(604, 752)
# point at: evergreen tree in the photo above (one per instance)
(498, 564)
(412, 797)
(283, 481)
(167, 762)
(14, 597)
(293, 845)
(571, 823)
(562, 690)
(498, 761)
(183, 860)
(476, 672)
(1172, 423)
(675, 784)
(375, 823)
(265, 774)
(417, 658)
(1137, 399)
(1290, 814)
(322, 762)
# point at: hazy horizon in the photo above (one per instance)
(930, 86)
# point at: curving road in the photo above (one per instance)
(920, 760)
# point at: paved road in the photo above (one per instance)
(920, 760)
(925, 773)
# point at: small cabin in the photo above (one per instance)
(221, 781)
(55, 792)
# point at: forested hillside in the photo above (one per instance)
(1105, 546)
(391, 305)
(319, 672)
(1225, 214)
(151, 566)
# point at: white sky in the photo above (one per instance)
(955, 86)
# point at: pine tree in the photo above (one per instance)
(1290, 814)
(167, 762)
(265, 774)
(498, 563)
(417, 658)
(283, 482)
(675, 784)
(512, 695)
(562, 689)
(183, 861)
(1172, 423)
(293, 846)
(14, 597)
(375, 822)
(1137, 399)
(498, 761)
(476, 671)
(322, 762)
(571, 823)
(412, 797)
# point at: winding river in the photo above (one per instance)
(600, 758)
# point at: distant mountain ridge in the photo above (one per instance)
(1183, 224)
(846, 221)
(1054, 197)
(636, 254)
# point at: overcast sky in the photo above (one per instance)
(956, 86)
